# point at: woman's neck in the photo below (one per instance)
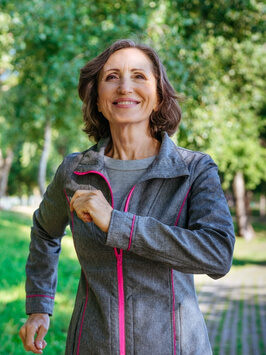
(129, 144)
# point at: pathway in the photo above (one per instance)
(234, 308)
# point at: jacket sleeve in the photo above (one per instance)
(204, 247)
(49, 223)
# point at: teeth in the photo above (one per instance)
(125, 102)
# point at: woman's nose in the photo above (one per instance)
(125, 86)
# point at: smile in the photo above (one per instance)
(125, 102)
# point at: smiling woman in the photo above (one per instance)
(126, 94)
(167, 113)
(145, 216)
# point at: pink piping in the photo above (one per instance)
(131, 233)
(83, 314)
(121, 304)
(29, 296)
(87, 288)
(128, 198)
(134, 217)
(119, 257)
(173, 311)
(97, 172)
(172, 278)
(182, 207)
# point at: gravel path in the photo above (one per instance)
(234, 308)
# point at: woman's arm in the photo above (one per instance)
(49, 223)
(205, 246)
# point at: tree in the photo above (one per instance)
(224, 109)
(213, 53)
(51, 41)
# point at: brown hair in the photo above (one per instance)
(165, 118)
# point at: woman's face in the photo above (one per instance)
(127, 89)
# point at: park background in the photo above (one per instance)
(214, 54)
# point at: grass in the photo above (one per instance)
(251, 252)
(14, 242)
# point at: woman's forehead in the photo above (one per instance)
(132, 58)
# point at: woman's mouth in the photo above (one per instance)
(125, 103)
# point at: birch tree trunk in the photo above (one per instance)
(245, 228)
(44, 157)
(262, 206)
(5, 166)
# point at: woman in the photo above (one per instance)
(145, 216)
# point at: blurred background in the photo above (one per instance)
(214, 54)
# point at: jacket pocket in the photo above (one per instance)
(74, 329)
(177, 331)
(152, 326)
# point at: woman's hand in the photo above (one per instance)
(91, 206)
(37, 323)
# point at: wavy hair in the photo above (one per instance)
(165, 118)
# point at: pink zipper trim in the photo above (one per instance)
(120, 279)
(173, 309)
(121, 302)
(172, 279)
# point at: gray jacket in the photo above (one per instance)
(136, 293)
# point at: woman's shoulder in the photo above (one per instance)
(195, 160)
(71, 161)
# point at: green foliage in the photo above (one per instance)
(213, 53)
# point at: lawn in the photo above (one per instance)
(14, 239)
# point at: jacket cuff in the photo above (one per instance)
(121, 230)
(39, 304)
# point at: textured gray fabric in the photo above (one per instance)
(177, 224)
(123, 175)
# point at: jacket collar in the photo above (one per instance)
(168, 163)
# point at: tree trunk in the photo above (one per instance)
(44, 157)
(245, 228)
(5, 166)
(262, 206)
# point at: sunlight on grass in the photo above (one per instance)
(12, 294)
(68, 248)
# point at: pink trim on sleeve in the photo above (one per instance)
(45, 296)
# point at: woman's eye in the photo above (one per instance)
(111, 77)
(139, 76)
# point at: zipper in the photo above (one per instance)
(121, 300)
(119, 267)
